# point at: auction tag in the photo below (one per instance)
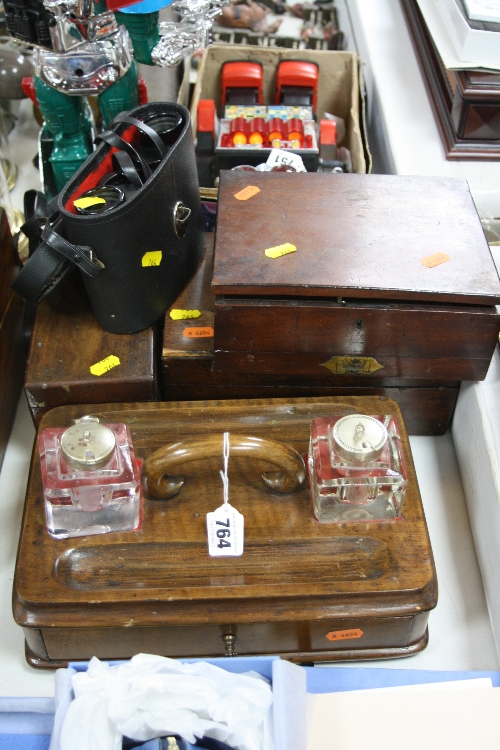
(435, 260)
(176, 314)
(199, 333)
(105, 365)
(281, 158)
(225, 524)
(152, 258)
(344, 635)
(225, 530)
(279, 250)
(247, 193)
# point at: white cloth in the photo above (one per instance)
(150, 696)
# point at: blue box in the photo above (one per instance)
(288, 682)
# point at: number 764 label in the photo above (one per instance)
(225, 528)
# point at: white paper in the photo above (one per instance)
(483, 10)
(225, 532)
(152, 696)
(439, 719)
(440, 34)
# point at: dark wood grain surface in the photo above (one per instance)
(12, 335)
(189, 369)
(356, 236)
(66, 341)
(160, 580)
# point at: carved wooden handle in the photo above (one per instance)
(160, 484)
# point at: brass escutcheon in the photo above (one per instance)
(352, 365)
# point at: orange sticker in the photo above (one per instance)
(435, 260)
(199, 333)
(344, 635)
(247, 193)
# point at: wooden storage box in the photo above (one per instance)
(304, 590)
(12, 335)
(67, 341)
(189, 374)
(355, 297)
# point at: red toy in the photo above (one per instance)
(242, 83)
(297, 83)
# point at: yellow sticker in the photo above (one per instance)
(87, 202)
(104, 365)
(279, 250)
(176, 314)
(435, 260)
(247, 193)
(153, 258)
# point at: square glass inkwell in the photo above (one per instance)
(91, 479)
(357, 468)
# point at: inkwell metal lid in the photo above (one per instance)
(87, 445)
(359, 438)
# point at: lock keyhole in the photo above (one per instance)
(359, 326)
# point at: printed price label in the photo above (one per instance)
(199, 333)
(105, 365)
(280, 158)
(247, 193)
(176, 314)
(225, 530)
(152, 258)
(279, 250)
(435, 260)
(344, 635)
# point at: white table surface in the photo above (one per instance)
(460, 631)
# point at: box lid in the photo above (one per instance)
(356, 236)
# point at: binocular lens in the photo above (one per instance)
(98, 200)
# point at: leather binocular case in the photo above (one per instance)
(131, 219)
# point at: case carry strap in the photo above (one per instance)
(53, 257)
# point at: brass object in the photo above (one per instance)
(15, 228)
(209, 194)
(11, 171)
(229, 644)
(181, 215)
(352, 365)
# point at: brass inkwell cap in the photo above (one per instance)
(359, 438)
(88, 445)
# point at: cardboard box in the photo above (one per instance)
(289, 695)
(339, 89)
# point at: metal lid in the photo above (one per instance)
(87, 445)
(359, 438)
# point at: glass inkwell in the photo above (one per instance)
(357, 468)
(91, 479)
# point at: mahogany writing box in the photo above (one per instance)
(188, 369)
(355, 296)
(304, 590)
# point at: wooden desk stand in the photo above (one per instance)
(304, 590)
